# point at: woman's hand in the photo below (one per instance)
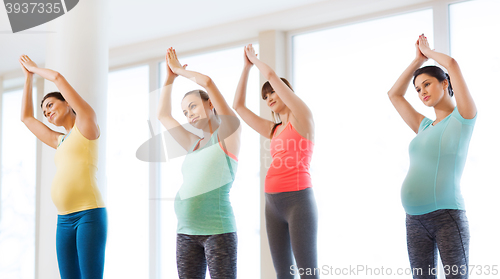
(173, 62)
(420, 56)
(170, 73)
(423, 45)
(246, 63)
(250, 54)
(26, 72)
(27, 63)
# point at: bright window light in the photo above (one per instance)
(18, 191)
(474, 27)
(127, 249)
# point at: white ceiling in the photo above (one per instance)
(133, 21)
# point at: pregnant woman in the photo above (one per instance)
(435, 211)
(82, 220)
(206, 230)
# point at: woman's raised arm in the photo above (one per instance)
(185, 138)
(299, 109)
(40, 130)
(465, 104)
(398, 91)
(259, 124)
(230, 123)
(86, 119)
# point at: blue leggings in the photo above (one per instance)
(80, 244)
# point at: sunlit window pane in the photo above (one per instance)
(127, 250)
(474, 44)
(18, 191)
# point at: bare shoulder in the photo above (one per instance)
(88, 128)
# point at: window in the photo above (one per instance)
(473, 45)
(361, 149)
(128, 178)
(224, 67)
(18, 191)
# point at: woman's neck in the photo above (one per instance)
(285, 116)
(444, 108)
(69, 122)
(209, 129)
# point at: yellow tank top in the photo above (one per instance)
(74, 187)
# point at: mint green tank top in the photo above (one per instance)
(202, 204)
(437, 158)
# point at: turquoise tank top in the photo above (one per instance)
(202, 204)
(437, 159)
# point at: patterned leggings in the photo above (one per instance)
(446, 230)
(195, 251)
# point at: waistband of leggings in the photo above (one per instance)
(82, 213)
(433, 214)
(284, 195)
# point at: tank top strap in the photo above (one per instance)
(215, 137)
(213, 140)
(195, 146)
(226, 154)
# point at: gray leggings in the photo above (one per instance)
(446, 230)
(194, 251)
(292, 225)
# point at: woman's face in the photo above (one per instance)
(430, 90)
(274, 102)
(196, 110)
(55, 110)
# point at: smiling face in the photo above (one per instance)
(430, 90)
(55, 110)
(274, 102)
(272, 99)
(196, 110)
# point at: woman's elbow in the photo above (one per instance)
(25, 119)
(452, 63)
(160, 115)
(268, 75)
(56, 77)
(206, 81)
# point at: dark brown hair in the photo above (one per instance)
(266, 89)
(56, 95)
